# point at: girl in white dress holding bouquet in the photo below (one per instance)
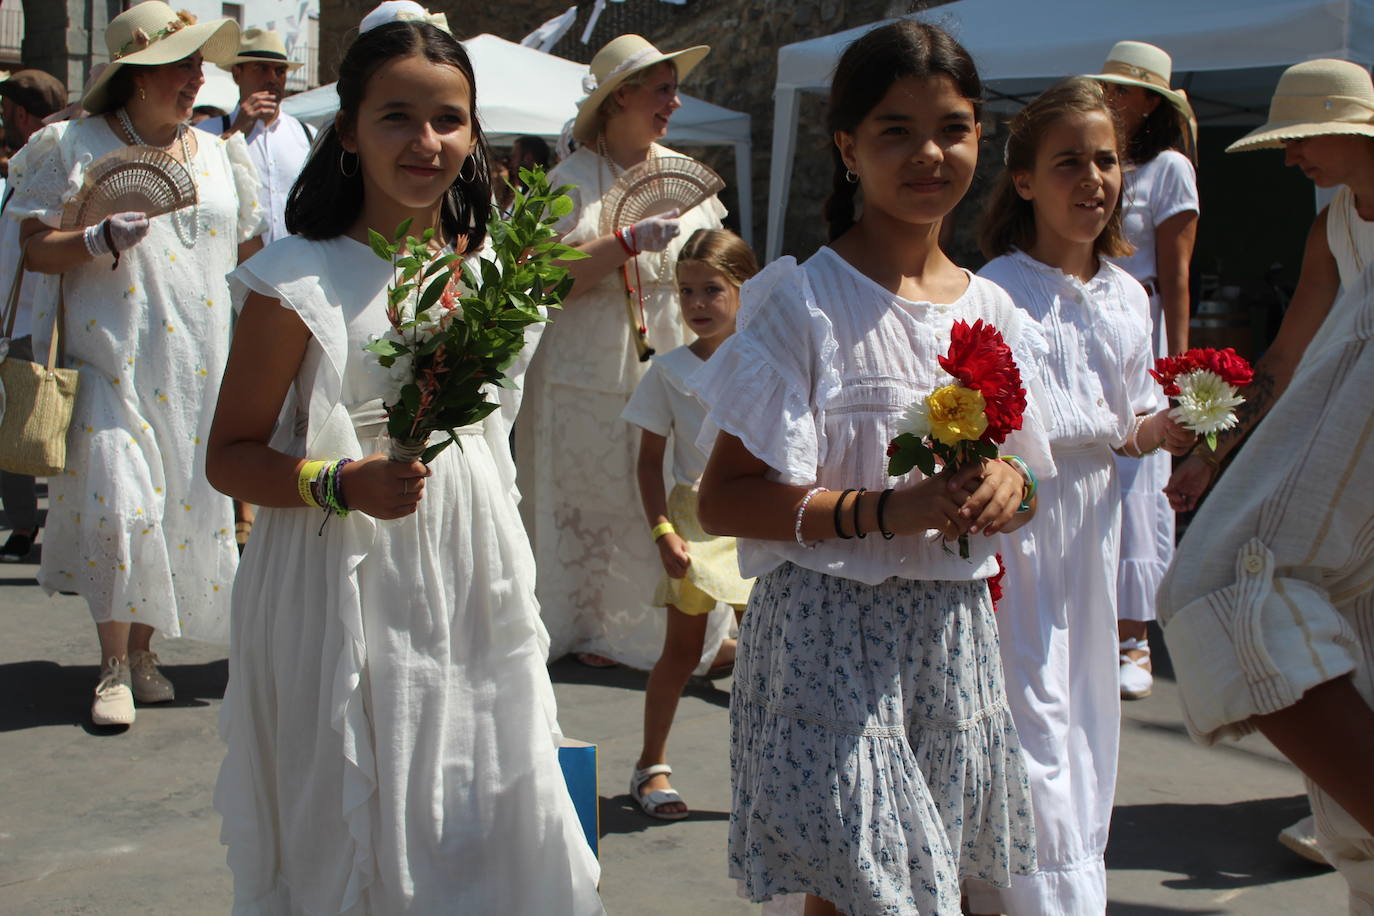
(390, 723)
(1054, 220)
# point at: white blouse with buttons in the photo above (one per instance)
(815, 381)
(1096, 371)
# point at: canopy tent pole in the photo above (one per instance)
(786, 107)
(744, 152)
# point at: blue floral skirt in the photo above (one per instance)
(873, 759)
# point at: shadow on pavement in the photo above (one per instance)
(568, 670)
(1146, 909)
(43, 693)
(1212, 847)
(619, 814)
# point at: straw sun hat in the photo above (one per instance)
(1315, 98)
(620, 59)
(261, 46)
(152, 33)
(1135, 63)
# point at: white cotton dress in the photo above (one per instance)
(1350, 238)
(1058, 616)
(390, 723)
(598, 566)
(873, 759)
(1161, 188)
(133, 525)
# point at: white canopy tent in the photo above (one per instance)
(1227, 54)
(522, 91)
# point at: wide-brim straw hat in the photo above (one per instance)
(1137, 63)
(152, 33)
(261, 46)
(1315, 98)
(620, 59)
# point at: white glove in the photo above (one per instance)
(116, 233)
(655, 232)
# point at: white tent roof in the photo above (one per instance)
(1019, 46)
(525, 91)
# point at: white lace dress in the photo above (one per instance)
(133, 525)
(390, 723)
(873, 758)
(598, 567)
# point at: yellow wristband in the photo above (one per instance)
(308, 472)
(661, 529)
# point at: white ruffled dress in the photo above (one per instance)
(133, 525)
(390, 723)
(874, 762)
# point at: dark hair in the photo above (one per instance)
(119, 89)
(867, 71)
(722, 251)
(324, 202)
(537, 148)
(1009, 219)
(1164, 128)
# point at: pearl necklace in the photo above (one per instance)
(187, 228)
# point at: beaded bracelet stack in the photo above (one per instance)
(839, 515)
(320, 484)
(1028, 476)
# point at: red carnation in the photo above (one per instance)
(995, 582)
(981, 360)
(1230, 365)
(1168, 368)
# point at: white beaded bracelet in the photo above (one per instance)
(801, 510)
(91, 238)
(1133, 441)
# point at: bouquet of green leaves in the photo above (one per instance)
(455, 327)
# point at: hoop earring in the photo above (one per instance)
(343, 171)
(850, 177)
(473, 160)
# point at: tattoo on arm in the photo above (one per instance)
(1260, 395)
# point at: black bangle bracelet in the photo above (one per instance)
(857, 532)
(838, 503)
(882, 502)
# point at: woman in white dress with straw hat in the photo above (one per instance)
(597, 562)
(1159, 213)
(133, 526)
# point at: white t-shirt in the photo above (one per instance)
(1097, 370)
(663, 405)
(278, 151)
(1163, 187)
(814, 382)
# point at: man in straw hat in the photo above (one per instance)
(277, 143)
(1271, 622)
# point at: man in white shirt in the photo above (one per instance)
(277, 143)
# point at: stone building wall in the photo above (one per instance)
(739, 73)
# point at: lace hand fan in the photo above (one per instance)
(655, 186)
(133, 178)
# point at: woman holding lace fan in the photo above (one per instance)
(133, 525)
(597, 562)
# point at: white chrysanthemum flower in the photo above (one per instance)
(916, 419)
(401, 372)
(1206, 403)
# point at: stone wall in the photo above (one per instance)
(66, 37)
(744, 35)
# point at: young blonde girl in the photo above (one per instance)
(874, 763)
(700, 570)
(1054, 220)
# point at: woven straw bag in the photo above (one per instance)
(35, 400)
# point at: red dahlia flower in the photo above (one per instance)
(980, 359)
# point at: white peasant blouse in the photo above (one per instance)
(815, 381)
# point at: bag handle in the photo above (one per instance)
(58, 318)
(12, 309)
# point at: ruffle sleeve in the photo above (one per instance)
(252, 218)
(45, 174)
(769, 383)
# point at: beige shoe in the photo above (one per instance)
(1301, 838)
(149, 684)
(114, 696)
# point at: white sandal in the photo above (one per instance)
(1137, 680)
(656, 799)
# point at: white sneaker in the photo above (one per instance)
(1301, 838)
(114, 696)
(1137, 682)
(149, 684)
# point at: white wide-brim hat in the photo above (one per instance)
(620, 59)
(1315, 98)
(1136, 63)
(261, 46)
(152, 33)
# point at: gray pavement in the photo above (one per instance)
(96, 821)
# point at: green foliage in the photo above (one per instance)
(482, 337)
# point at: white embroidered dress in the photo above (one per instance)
(598, 566)
(874, 762)
(1057, 618)
(133, 525)
(390, 723)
